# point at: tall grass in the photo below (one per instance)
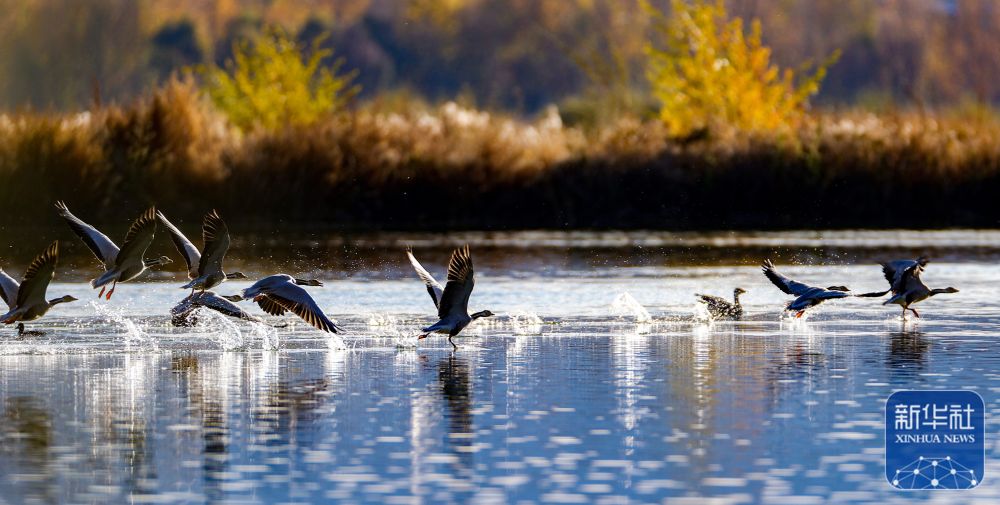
(449, 166)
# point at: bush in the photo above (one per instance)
(708, 74)
(273, 83)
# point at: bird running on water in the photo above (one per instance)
(905, 284)
(205, 267)
(807, 296)
(452, 301)
(26, 300)
(120, 265)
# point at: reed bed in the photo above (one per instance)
(449, 166)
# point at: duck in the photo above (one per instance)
(26, 300)
(452, 301)
(204, 267)
(120, 265)
(807, 296)
(280, 293)
(720, 308)
(905, 284)
(182, 314)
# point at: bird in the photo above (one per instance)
(26, 300)
(807, 296)
(182, 313)
(720, 308)
(205, 267)
(452, 301)
(905, 284)
(281, 293)
(120, 265)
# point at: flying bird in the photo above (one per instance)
(807, 296)
(453, 300)
(905, 284)
(182, 314)
(120, 265)
(281, 293)
(26, 300)
(204, 267)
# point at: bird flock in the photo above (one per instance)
(281, 293)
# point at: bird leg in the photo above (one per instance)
(915, 313)
(20, 329)
(113, 286)
(101, 294)
(799, 314)
(453, 346)
(421, 337)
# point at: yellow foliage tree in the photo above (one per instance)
(272, 83)
(707, 73)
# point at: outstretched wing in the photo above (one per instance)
(270, 306)
(8, 289)
(184, 246)
(139, 237)
(103, 248)
(37, 277)
(455, 297)
(784, 283)
(297, 301)
(434, 288)
(712, 300)
(215, 235)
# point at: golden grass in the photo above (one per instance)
(451, 166)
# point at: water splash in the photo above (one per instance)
(267, 334)
(625, 305)
(526, 323)
(218, 329)
(135, 334)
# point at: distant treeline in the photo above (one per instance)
(450, 167)
(517, 56)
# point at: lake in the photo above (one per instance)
(599, 381)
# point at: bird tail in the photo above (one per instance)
(874, 294)
(105, 279)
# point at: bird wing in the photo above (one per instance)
(103, 248)
(784, 283)
(8, 289)
(270, 306)
(713, 300)
(434, 287)
(215, 235)
(37, 277)
(829, 294)
(899, 272)
(297, 301)
(139, 237)
(455, 297)
(184, 246)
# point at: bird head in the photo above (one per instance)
(482, 313)
(839, 288)
(739, 291)
(236, 275)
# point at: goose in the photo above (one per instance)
(720, 308)
(26, 300)
(808, 296)
(905, 284)
(281, 293)
(452, 301)
(120, 265)
(181, 313)
(205, 267)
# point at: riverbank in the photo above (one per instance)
(449, 167)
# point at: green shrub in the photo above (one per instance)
(708, 74)
(273, 82)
